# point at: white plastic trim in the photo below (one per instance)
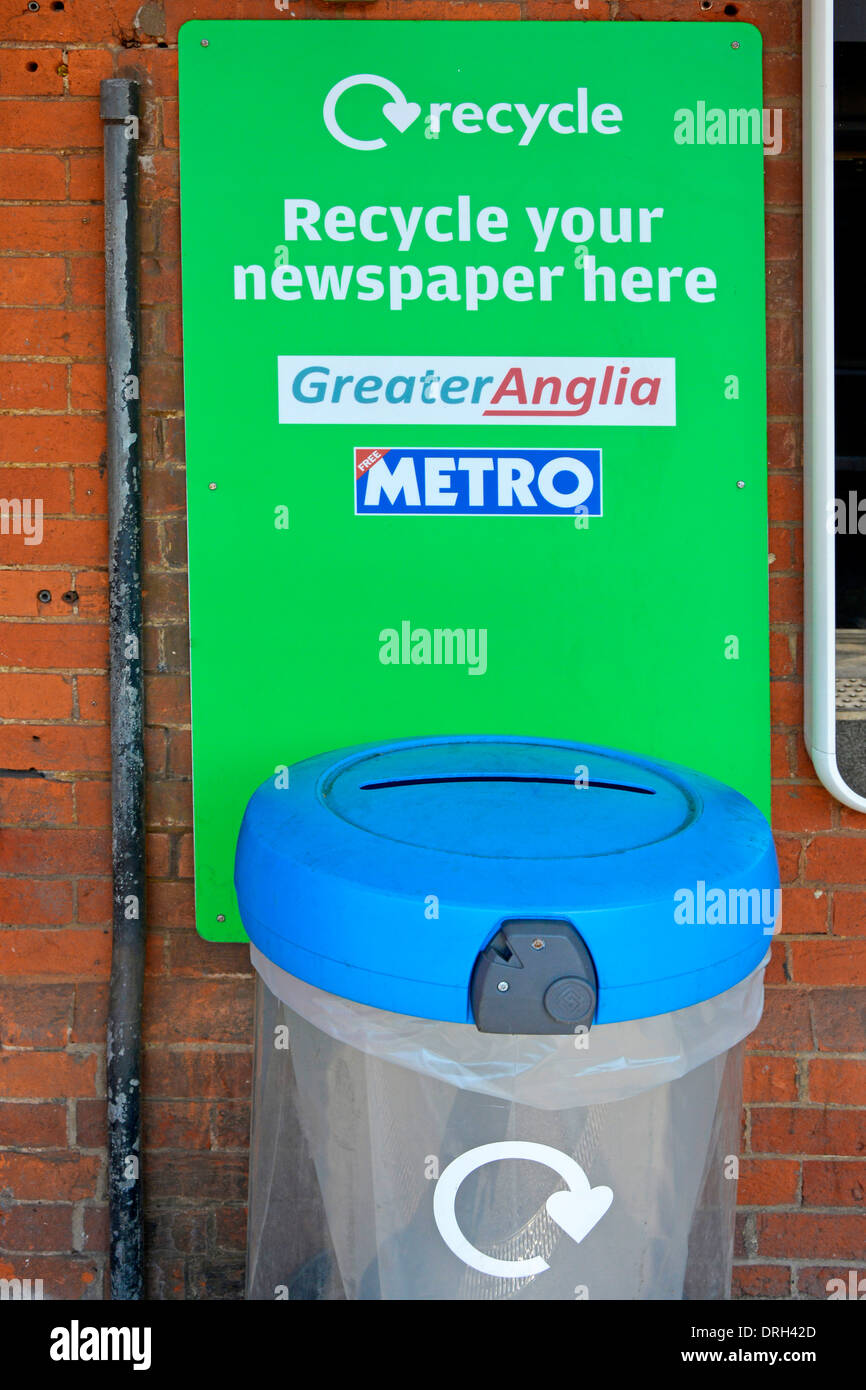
(819, 401)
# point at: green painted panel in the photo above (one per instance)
(646, 627)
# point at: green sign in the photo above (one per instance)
(475, 394)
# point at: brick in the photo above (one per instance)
(849, 913)
(35, 903)
(231, 1124)
(769, 1078)
(55, 747)
(786, 1024)
(37, 1227)
(91, 1124)
(840, 1183)
(231, 1228)
(87, 280)
(87, 68)
(799, 807)
(172, 1124)
(68, 646)
(34, 1015)
(28, 228)
(87, 386)
(807, 1130)
(779, 755)
(167, 700)
(804, 910)
(198, 1073)
(776, 19)
(788, 852)
(836, 859)
(190, 954)
(170, 133)
(783, 77)
(209, 1177)
(50, 1178)
(49, 1075)
(65, 124)
(159, 177)
(86, 178)
(93, 697)
(768, 1182)
(95, 901)
(70, 952)
(805, 1235)
(51, 485)
(58, 439)
(33, 1126)
(783, 648)
(786, 606)
(839, 1017)
(34, 801)
(26, 695)
(90, 1013)
(26, 280)
(158, 66)
(823, 1281)
(784, 235)
(184, 1010)
(761, 1281)
(828, 962)
(185, 1232)
(31, 176)
(52, 333)
(838, 1081)
(77, 850)
(93, 803)
(64, 1277)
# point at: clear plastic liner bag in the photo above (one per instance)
(357, 1118)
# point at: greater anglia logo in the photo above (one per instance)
(477, 390)
(578, 116)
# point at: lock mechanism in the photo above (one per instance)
(534, 976)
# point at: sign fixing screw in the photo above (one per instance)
(502, 986)
(221, 916)
(212, 486)
(206, 42)
(538, 944)
(735, 44)
(741, 483)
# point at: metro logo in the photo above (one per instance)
(477, 390)
(477, 482)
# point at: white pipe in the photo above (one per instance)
(819, 401)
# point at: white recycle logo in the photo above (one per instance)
(576, 1210)
(400, 112)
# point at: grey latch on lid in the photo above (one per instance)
(535, 976)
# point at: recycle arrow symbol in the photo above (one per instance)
(576, 1210)
(400, 112)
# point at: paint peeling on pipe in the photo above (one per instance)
(119, 108)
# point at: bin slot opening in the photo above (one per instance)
(503, 777)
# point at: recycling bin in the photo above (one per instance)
(502, 990)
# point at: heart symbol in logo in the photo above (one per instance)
(578, 1212)
(401, 114)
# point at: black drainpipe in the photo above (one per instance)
(119, 106)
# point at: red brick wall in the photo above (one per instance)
(804, 1174)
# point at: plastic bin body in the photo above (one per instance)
(349, 1147)
(503, 985)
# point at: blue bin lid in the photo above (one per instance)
(381, 872)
